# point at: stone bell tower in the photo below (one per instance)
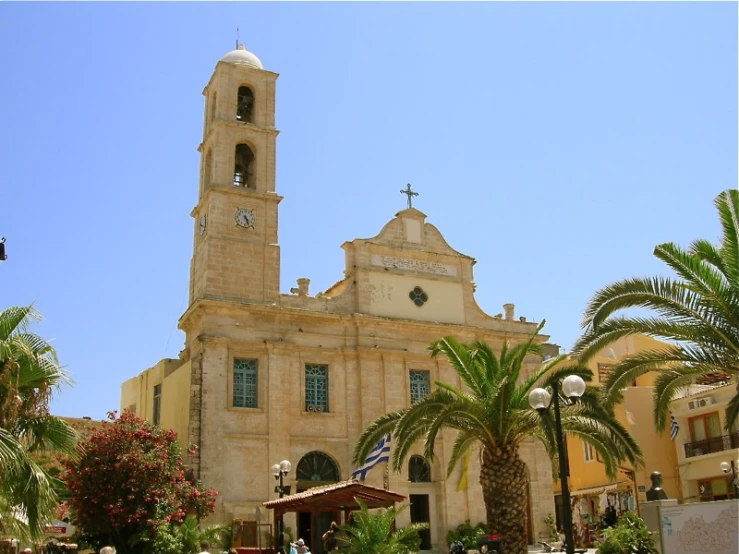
(235, 252)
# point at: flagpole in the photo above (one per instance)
(386, 477)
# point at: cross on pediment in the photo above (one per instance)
(409, 193)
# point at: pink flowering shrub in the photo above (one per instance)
(128, 481)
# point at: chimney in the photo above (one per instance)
(508, 309)
(303, 283)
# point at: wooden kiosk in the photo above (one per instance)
(337, 497)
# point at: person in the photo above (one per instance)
(329, 538)
(300, 547)
(27, 551)
(107, 550)
(204, 546)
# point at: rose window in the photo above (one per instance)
(418, 297)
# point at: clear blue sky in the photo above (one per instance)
(557, 143)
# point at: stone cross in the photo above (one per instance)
(409, 193)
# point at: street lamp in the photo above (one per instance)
(540, 399)
(279, 471)
(727, 467)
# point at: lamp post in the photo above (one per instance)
(540, 399)
(727, 467)
(279, 471)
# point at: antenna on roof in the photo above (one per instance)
(237, 38)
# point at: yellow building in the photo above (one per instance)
(591, 490)
(266, 376)
(703, 442)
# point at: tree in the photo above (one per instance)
(128, 481)
(375, 532)
(697, 313)
(29, 374)
(493, 413)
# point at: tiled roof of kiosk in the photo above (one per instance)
(337, 495)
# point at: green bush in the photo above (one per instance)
(375, 532)
(551, 528)
(466, 534)
(628, 536)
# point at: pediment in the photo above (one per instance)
(408, 231)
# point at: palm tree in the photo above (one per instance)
(698, 313)
(493, 413)
(183, 538)
(375, 532)
(29, 372)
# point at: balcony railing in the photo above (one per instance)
(714, 444)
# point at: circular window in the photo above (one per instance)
(418, 297)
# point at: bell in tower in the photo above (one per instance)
(238, 145)
(235, 253)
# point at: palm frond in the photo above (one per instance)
(666, 386)
(16, 320)
(460, 358)
(732, 413)
(673, 301)
(372, 434)
(462, 444)
(704, 250)
(727, 204)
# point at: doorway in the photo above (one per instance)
(420, 514)
(306, 528)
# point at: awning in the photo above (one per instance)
(610, 487)
(335, 496)
(332, 498)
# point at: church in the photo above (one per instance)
(267, 376)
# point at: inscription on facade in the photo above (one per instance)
(414, 265)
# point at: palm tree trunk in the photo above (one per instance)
(504, 490)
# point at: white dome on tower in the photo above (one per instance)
(241, 56)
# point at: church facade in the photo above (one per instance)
(266, 377)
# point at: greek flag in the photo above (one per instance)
(674, 427)
(380, 453)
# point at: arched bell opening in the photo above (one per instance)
(244, 167)
(245, 105)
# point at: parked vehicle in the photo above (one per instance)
(489, 544)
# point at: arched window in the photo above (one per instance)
(318, 467)
(419, 470)
(244, 167)
(245, 105)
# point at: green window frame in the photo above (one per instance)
(316, 388)
(245, 394)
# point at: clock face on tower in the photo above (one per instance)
(244, 218)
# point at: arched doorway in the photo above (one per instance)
(314, 470)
